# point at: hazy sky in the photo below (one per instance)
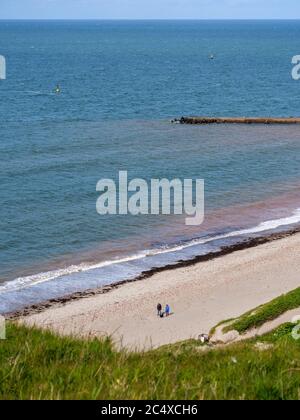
(149, 9)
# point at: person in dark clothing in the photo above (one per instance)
(159, 309)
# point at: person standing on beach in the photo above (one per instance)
(159, 309)
(167, 310)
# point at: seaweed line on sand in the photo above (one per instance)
(61, 301)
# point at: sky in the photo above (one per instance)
(149, 9)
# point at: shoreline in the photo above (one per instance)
(200, 296)
(226, 250)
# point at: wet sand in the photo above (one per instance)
(200, 295)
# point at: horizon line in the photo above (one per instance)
(147, 19)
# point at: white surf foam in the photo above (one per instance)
(28, 281)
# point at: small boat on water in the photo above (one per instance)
(57, 90)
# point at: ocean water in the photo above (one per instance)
(121, 84)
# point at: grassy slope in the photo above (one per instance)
(39, 365)
(267, 312)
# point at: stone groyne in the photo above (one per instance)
(237, 120)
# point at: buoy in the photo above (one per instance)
(57, 89)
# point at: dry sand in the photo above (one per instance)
(200, 296)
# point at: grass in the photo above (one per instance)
(37, 364)
(265, 313)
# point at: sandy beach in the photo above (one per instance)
(200, 296)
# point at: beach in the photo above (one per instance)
(200, 296)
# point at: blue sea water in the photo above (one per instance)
(121, 83)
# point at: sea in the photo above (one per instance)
(121, 83)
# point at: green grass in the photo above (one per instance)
(265, 313)
(41, 365)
